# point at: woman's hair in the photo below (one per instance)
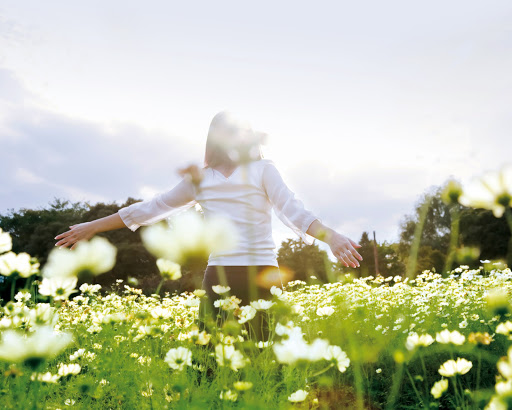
(223, 138)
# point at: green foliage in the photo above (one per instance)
(478, 227)
(305, 260)
(373, 321)
(387, 257)
(436, 232)
(33, 231)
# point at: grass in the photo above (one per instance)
(125, 344)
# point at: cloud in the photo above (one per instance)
(47, 155)
(11, 91)
(356, 201)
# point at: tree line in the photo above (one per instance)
(33, 231)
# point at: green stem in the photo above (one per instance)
(425, 380)
(414, 387)
(357, 374)
(33, 290)
(508, 215)
(262, 318)
(13, 287)
(413, 255)
(221, 273)
(322, 371)
(36, 392)
(454, 238)
(328, 269)
(456, 390)
(36, 291)
(397, 381)
(478, 369)
(462, 394)
(157, 291)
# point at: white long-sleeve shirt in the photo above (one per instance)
(246, 197)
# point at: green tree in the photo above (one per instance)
(481, 229)
(305, 260)
(387, 256)
(478, 228)
(435, 236)
(33, 231)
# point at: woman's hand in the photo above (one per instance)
(341, 246)
(344, 249)
(83, 231)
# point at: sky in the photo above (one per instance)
(366, 104)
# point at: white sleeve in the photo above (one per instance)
(161, 206)
(289, 209)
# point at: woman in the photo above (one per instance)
(237, 183)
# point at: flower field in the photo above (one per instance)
(433, 340)
(357, 343)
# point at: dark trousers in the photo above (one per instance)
(240, 279)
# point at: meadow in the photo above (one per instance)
(434, 340)
(431, 342)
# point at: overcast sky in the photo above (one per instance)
(366, 104)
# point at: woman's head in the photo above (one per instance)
(231, 141)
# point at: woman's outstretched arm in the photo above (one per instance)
(135, 215)
(87, 230)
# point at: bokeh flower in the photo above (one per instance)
(439, 388)
(341, 358)
(298, 396)
(227, 355)
(59, 288)
(20, 264)
(192, 173)
(451, 367)
(480, 338)
(295, 348)
(414, 340)
(5, 241)
(88, 289)
(191, 238)
(88, 259)
(276, 291)
(228, 395)
(241, 385)
(178, 358)
(492, 191)
(325, 311)
(47, 377)
(199, 293)
(34, 348)
(219, 289)
(451, 192)
(505, 365)
(168, 270)
(454, 337)
(68, 369)
(23, 296)
(246, 313)
(262, 304)
(230, 303)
